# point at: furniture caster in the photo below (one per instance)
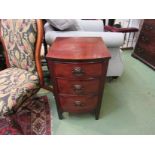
(110, 79)
(115, 77)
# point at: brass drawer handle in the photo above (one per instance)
(78, 89)
(78, 104)
(78, 71)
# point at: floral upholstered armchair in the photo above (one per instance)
(22, 79)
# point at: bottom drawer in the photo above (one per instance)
(78, 103)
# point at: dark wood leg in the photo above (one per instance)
(58, 108)
(115, 77)
(97, 113)
(110, 79)
(60, 115)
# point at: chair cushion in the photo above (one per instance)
(16, 85)
(64, 24)
(19, 36)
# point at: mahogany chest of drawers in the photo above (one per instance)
(78, 67)
(145, 46)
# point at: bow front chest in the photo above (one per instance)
(78, 67)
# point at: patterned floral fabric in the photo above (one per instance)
(16, 85)
(19, 36)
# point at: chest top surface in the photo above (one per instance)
(78, 48)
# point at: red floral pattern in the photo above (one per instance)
(34, 119)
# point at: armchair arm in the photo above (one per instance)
(111, 39)
(123, 30)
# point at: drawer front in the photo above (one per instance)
(75, 87)
(146, 53)
(147, 39)
(148, 29)
(78, 70)
(78, 103)
(149, 22)
(142, 48)
(142, 51)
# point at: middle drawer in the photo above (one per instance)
(78, 87)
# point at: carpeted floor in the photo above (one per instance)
(128, 105)
(34, 119)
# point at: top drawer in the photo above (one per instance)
(149, 21)
(78, 70)
(148, 27)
